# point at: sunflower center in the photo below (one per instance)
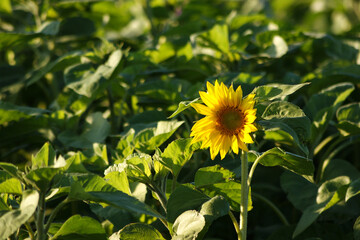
(231, 120)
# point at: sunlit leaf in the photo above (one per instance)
(183, 106)
(12, 220)
(182, 199)
(9, 184)
(177, 154)
(188, 225)
(139, 231)
(78, 227)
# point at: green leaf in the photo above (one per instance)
(332, 96)
(329, 193)
(188, 225)
(349, 119)
(275, 91)
(295, 163)
(94, 188)
(11, 169)
(216, 38)
(153, 135)
(138, 167)
(213, 209)
(177, 154)
(213, 174)
(12, 220)
(78, 227)
(60, 63)
(322, 106)
(300, 192)
(353, 190)
(42, 177)
(277, 49)
(286, 123)
(45, 157)
(139, 231)
(183, 198)
(118, 180)
(9, 184)
(96, 130)
(5, 6)
(84, 81)
(50, 28)
(10, 112)
(183, 106)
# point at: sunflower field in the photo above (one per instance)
(179, 119)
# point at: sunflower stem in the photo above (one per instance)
(244, 195)
(236, 224)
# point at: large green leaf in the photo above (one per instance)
(85, 81)
(9, 184)
(138, 231)
(42, 178)
(183, 198)
(45, 157)
(213, 174)
(216, 180)
(295, 163)
(153, 135)
(329, 193)
(94, 188)
(286, 123)
(349, 119)
(300, 192)
(96, 129)
(78, 227)
(217, 38)
(275, 91)
(177, 154)
(353, 190)
(12, 220)
(322, 106)
(213, 209)
(188, 225)
(10, 112)
(277, 49)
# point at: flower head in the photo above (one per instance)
(228, 122)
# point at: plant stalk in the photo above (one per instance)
(236, 224)
(41, 235)
(53, 214)
(244, 196)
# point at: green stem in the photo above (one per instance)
(30, 231)
(273, 207)
(244, 196)
(236, 224)
(53, 214)
(41, 235)
(161, 196)
(252, 170)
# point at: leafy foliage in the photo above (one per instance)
(95, 118)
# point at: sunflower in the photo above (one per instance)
(228, 122)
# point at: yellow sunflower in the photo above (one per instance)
(228, 122)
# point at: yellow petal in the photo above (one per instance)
(242, 145)
(202, 109)
(209, 100)
(234, 145)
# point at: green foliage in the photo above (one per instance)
(95, 118)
